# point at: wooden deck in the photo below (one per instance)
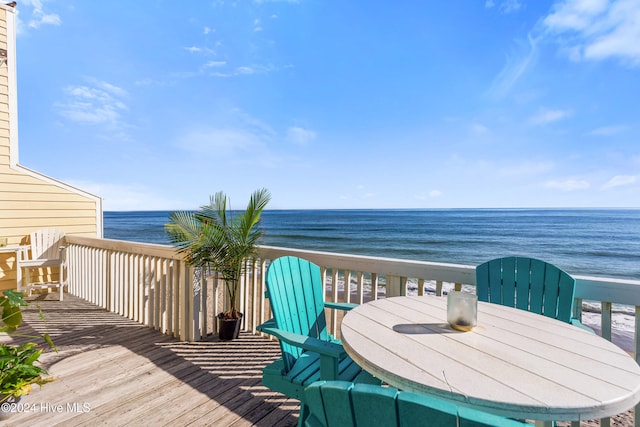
(116, 372)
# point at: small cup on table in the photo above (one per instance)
(462, 310)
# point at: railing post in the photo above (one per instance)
(374, 286)
(360, 288)
(194, 293)
(188, 309)
(393, 286)
(217, 303)
(252, 304)
(107, 283)
(262, 290)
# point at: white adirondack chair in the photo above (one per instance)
(45, 251)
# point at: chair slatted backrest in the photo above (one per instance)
(45, 244)
(528, 284)
(343, 404)
(294, 288)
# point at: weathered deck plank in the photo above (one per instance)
(116, 372)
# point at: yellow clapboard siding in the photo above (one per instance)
(51, 204)
(17, 234)
(25, 214)
(17, 183)
(39, 197)
(59, 222)
(19, 231)
(20, 178)
(48, 213)
(8, 170)
(34, 187)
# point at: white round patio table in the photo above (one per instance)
(514, 363)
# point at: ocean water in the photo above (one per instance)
(593, 242)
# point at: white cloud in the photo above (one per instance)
(546, 116)
(214, 64)
(607, 130)
(148, 81)
(505, 6)
(479, 128)
(568, 184)
(300, 136)
(94, 104)
(199, 50)
(276, 1)
(125, 197)
(38, 15)
(361, 193)
(620, 181)
(525, 169)
(597, 29)
(510, 6)
(222, 142)
(517, 64)
(431, 194)
(245, 70)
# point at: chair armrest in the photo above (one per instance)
(578, 323)
(324, 348)
(340, 305)
(271, 323)
(21, 252)
(330, 353)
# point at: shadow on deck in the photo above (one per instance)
(114, 371)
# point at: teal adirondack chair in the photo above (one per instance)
(344, 404)
(528, 284)
(309, 352)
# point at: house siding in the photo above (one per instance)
(28, 199)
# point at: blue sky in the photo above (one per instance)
(334, 103)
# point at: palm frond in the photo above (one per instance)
(215, 237)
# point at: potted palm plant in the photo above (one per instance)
(217, 239)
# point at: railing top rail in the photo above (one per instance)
(138, 248)
(390, 266)
(619, 291)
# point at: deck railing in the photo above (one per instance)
(152, 284)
